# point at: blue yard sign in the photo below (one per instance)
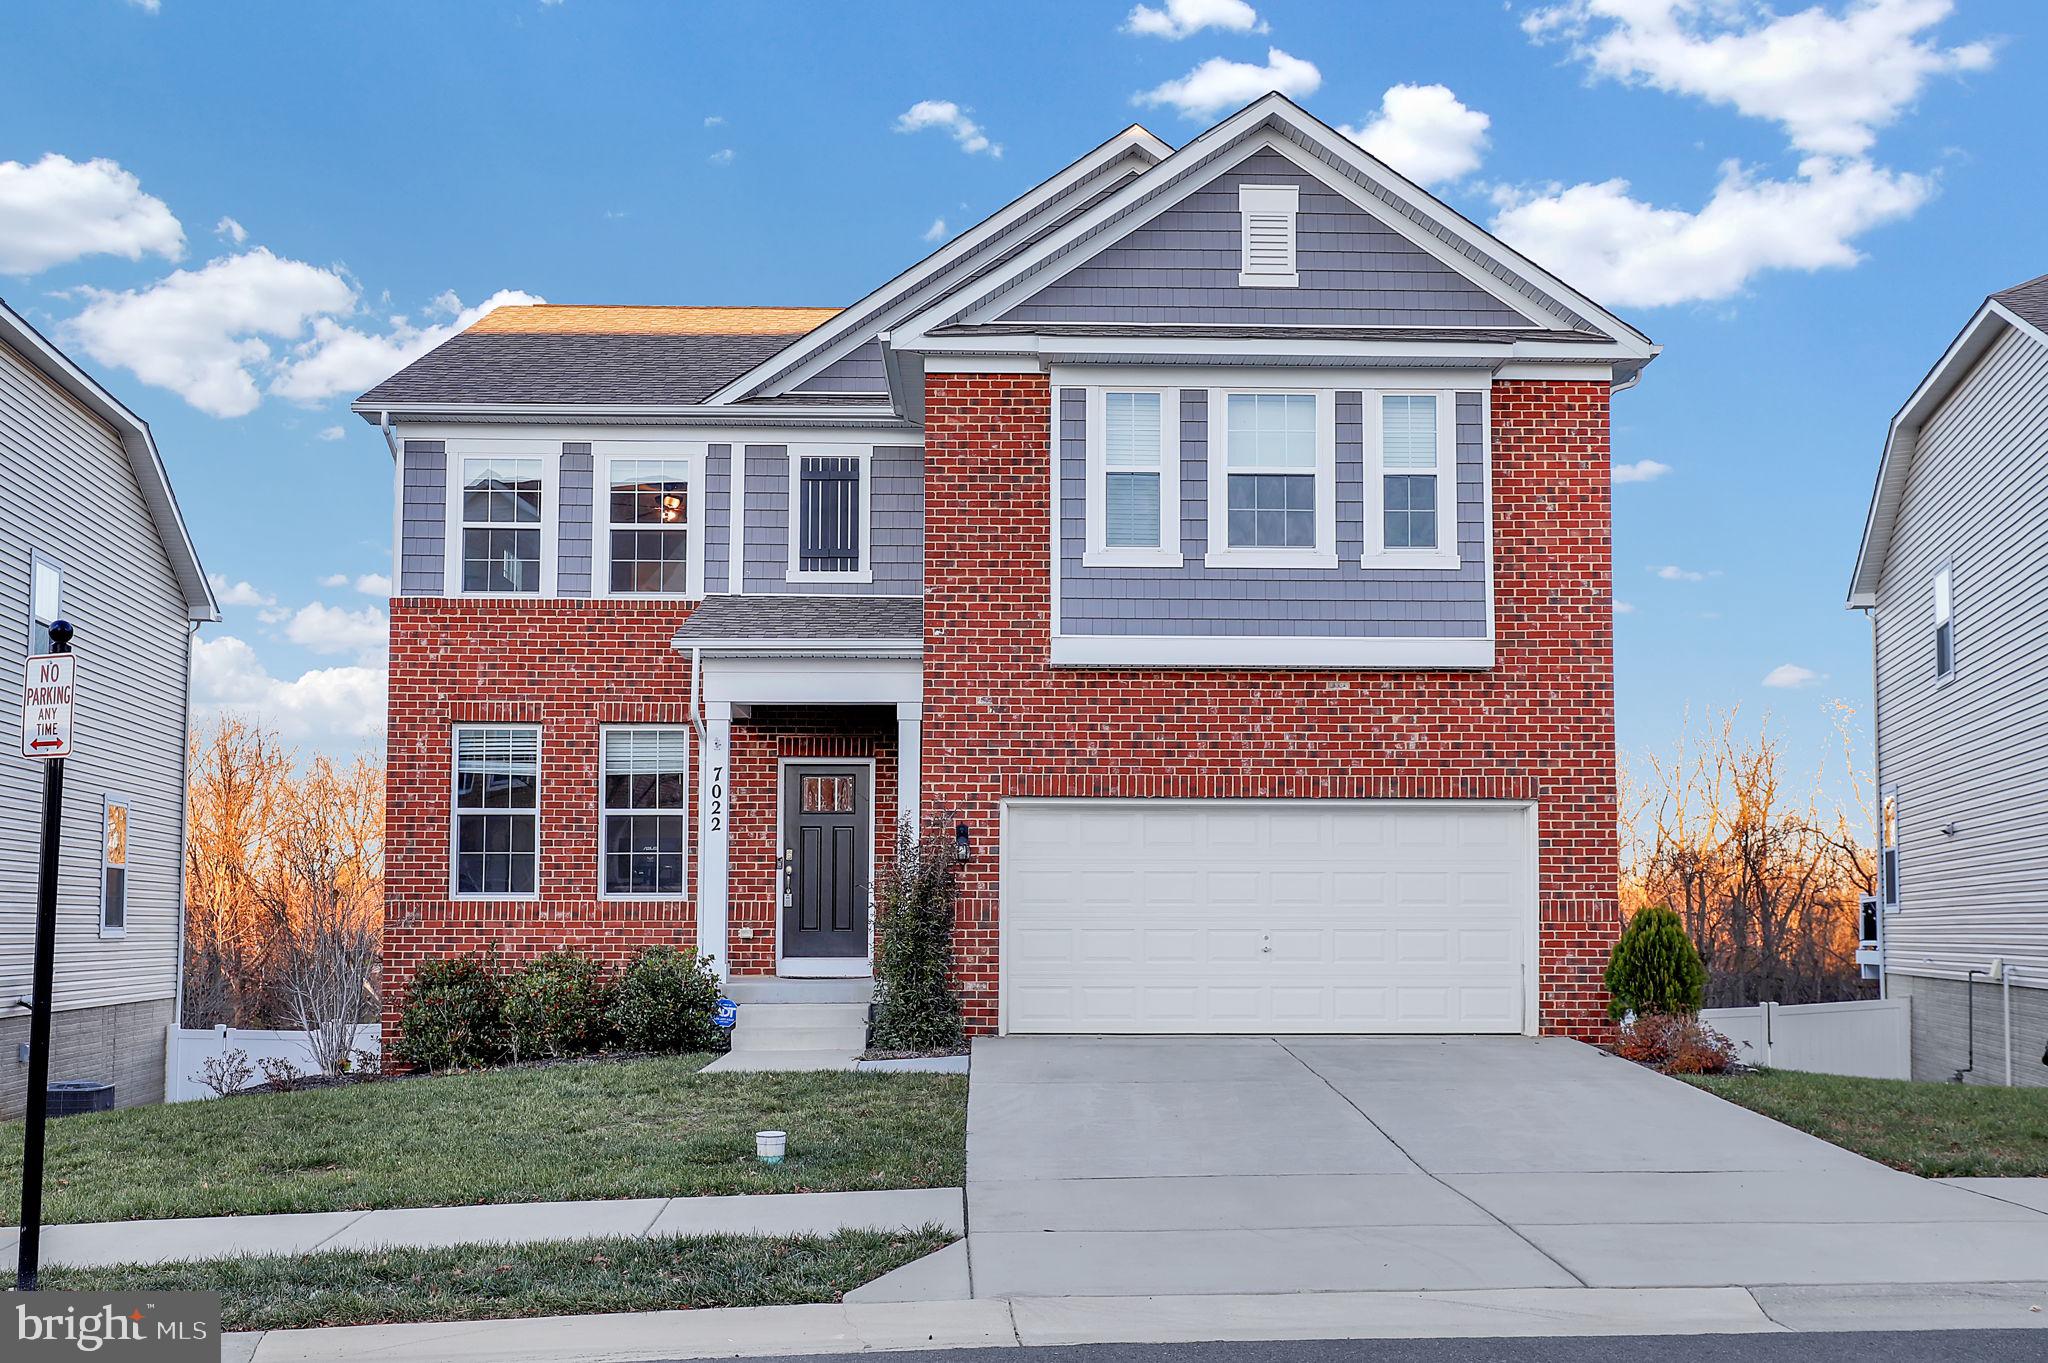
(726, 1014)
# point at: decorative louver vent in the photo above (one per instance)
(1269, 215)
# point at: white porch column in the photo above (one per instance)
(909, 764)
(714, 822)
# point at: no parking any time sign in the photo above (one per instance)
(46, 695)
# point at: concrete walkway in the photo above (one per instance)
(1138, 1167)
(213, 1237)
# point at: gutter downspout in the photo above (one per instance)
(2005, 974)
(1877, 790)
(1970, 1019)
(184, 837)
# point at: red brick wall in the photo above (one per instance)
(1000, 722)
(569, 666)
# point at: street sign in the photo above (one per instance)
(46, 694)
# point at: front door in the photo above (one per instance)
(825, 853)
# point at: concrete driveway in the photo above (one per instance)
(1139, 1166)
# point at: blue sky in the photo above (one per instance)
(239, 215)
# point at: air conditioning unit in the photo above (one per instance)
(70, 1097)
(1869, 938)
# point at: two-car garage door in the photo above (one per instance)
(1266, 916)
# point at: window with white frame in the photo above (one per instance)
(645, 803)
(1888, 846)
(1271, 494)
(497, 810)
(46, 599)
(1268, 215)
(1133, 498)
(1415, 523)
(648, 523)
(501, 529)
(114, 867)
(1944, 624)
(828, 523)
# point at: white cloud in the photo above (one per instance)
(1177, 19)
(59, 210)
(1624, 608)
(1218, 84)
(1642, 471)
(374, 584)
(237, 593)
(713, 120)
(1830, 79)
(332, 433)
(336, 629)
(944, 114)
(724, 156)
(340, 359)
(1790, 675)
(227, 229)
(148, 6)
(1671, 572)
(937, 231)
(1626, 252)
(332, 706)
(1425, 132)
(334, 580)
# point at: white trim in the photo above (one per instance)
(1056, 547)
(794, 456)
(821, 967)
(603, 453)
(550, 456)
(1253, 651)
(813, 680)
(546, 429)
(1280, 377)
(1095, 490)
(1268, 201)
(613, 416)
(1563, 372)
(604, 812)
(1486, 513)
(736, 518)
(909, 766)
(1943, 584)
(714, 837)
(1532, 956)
(108, 802)
(1219, 553)
(982, 364)
(455, 812)
(36, 557)
(1376, 554)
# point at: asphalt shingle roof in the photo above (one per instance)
(2028, 300)
(798, 618)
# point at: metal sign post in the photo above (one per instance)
(46, 705)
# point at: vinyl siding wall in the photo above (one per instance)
(1971, 750)
(895, 524)
(66, 488)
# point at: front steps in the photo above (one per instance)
(789, 1024)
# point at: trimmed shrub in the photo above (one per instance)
(1654, 967)
(1676, 1045)
(915, 1006)
(558, 1004)
(453, 1016)
(665, 1001)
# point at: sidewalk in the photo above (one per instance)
(98, 1244)
(780, 1331)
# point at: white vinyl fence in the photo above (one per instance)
(187, 1049)
(1871, 1038)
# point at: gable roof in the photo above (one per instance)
(139, 445)
(2022, 308)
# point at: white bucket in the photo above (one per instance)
(769, 1145)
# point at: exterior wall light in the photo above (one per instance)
(962, 850)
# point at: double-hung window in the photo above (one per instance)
(114, 867)
(645, 800)
(828, 503)
(647, 520)
(501, 525)
(497, 810)
(1271, 494)
(1415, 522)
(1944, 625)
(1133, 513)
(46, 599)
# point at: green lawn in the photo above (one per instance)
(1936, 1130)
(636, 1128)
(491, 1282)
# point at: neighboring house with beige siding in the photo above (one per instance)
(90, 532)
(1954, 573)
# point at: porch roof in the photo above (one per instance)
(778, 623)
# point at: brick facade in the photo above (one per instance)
(1000, 722)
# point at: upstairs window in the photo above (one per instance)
(648, 521)
(1133, 477)
(828, 513)
(501, 525)
(46, 599)
(497, 810)
(646, 810)
(1416, 522)
(114, 868)
(1268, 216)
(1944, 626)
(1272, 461)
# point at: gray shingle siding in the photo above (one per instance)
(715, 515)
(859, 371)
(1182, 267)
(423, 520)
(895, 525)
(572, 532)
(1345, 602)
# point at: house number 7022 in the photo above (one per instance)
(714, 811)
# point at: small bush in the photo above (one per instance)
(915, 1006)
(558, 1004)
(226, 1073)
(453, 1016)
(1675, 1044)
(1654, 967)
(665, 1002)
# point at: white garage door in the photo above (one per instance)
(1224, 916)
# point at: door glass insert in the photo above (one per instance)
(828, 795)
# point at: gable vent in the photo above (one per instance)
(1269, 213)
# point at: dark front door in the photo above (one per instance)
(825, 861)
